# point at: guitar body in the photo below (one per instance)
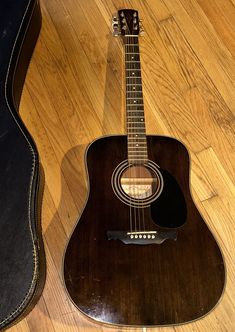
(114, 281)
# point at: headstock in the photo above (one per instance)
(127, 23)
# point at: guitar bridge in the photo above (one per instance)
(142, 237)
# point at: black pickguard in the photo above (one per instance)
(169, 210)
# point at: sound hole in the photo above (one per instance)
(139, 182)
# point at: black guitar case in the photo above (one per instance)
(22, 264)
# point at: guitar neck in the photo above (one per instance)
(136, 133)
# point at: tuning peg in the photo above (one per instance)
(141, 27)
(115, 26)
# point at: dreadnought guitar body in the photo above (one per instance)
(178, 280)
(141, 254)
(22, 261)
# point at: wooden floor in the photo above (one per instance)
(74, 94)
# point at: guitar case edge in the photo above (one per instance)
(25, 277)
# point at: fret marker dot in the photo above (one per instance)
(133, 74)
(137, 144)
(133, 88)
(134, 101)
(132, 57)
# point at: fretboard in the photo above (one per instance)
(136, 134)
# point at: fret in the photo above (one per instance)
(134, 117)
(137, 116)
(140, 144)
(134, 88)
(141, 148)
(139, 107)
(133, 128)
(134, 98)
(138, 151)
(139, 139)
(134, 156)
(135, 159)
(135, 104)
(135, 91)
(136, 130)
(137, 136)
(132, 67)
(136, 101)
(135, 113)
(140, 122)
(140, 119)
(135, 84)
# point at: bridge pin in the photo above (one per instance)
(149, 236)
(153, 236)
(136, 236)
(144, 236)
(140, 236)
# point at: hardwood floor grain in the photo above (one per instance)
(74, 94)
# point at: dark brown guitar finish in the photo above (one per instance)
(157, 284)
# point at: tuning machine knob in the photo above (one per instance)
(115, 26)
(141, 27)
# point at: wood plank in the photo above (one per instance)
(213, 55)
(225, 26)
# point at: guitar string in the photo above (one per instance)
(133, 185)
(136, 141)
(137, 80)
(128, 141)
(133, 177)
(135, 70)
(129, 132)
(135, 167)
(136, 66)
(133, 149)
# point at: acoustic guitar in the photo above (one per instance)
(141, 254)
